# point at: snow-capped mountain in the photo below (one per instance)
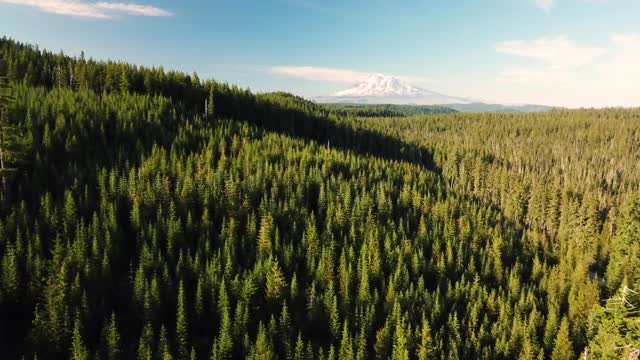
(380, 85)
(386, 89)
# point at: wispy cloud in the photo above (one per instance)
(559, 56)
(556, 52)
(133, 9)
(319, 73)
(335, 75)
(534, 76)
(545, 5)
(548, 5)
(99, 10)
(579, 75)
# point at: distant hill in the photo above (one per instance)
(386, 110)
(482, 107)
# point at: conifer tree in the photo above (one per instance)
(78, 349)
(124, 80)
(111, 337)
(10, 144)
(225, 343)
(210, 102)
(275, 281)
(9, 277)
(264, 236)
(262, 349)
(562, 349)
(400, 342)
(425, 350)
(285, 330)
(346, 345)
(382, 345)
(144, 350)
(181, 325)
(298, 352)
(625, 248)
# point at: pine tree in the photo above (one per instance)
(562, 349)
(275, 281)
(9, 276)
(331, 303)
(225, 342)
(425, 349)
(346, 345)
(361, 345)
(181, 325)
(199, 301)
(11, 146)
(625, 248)
(616, 327)
(298, 352)
(264, 236)
(400, 342)
(285, 330)
(111, 338)
(78, 349)
(382, 344)
(262, 349)
(144, 350)
(210, 102)
(124, 80)
(551, 329)
(166, 353)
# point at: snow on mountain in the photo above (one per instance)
(386, 89)
(380, 85)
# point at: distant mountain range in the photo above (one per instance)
(385, 89)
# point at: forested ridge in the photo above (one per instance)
(149, 214)
(372, 110)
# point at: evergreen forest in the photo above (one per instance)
(151, 214)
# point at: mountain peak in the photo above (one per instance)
(387, 89)
(381, 85)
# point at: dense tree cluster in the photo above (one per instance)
(156, 216)
(389, 110)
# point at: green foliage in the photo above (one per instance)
(562, 348)
(425, 349)
(275, 281)
(78, 350)
(615, 328)
(364, 110)
(211, 102)
(624, 260)
(271, 228)
(12, 145)
(111, 338)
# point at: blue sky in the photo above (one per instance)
(558, 52)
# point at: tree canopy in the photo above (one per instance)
(154, 215)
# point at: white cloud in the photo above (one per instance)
(572, 75)
(319, 73)
(620, 73)
(82, 8)
(335, 75)
(534, 75)
(557, 52)
(133, 9)
(545, 5)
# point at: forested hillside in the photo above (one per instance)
(367, 110)
(148, 214)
